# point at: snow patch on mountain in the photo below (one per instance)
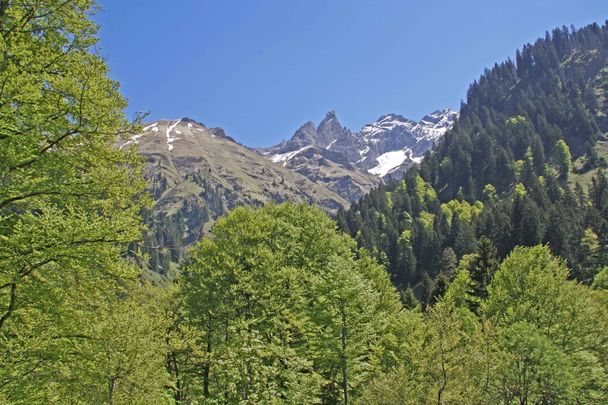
(285, 157)
(384, 124)
(435, 125)
(134, 140)
(389, 161)
(383, 148)
(149, 127)
(170, 139)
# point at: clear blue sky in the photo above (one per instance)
(261, 68)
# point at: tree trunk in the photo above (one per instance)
(178, 385)
(207, 368)
(11, 305)
(112, 384)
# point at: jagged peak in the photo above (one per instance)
(308, 128)
(439, 115)
(330, 120)
(330, 115)
(308, 124)
(393, 117)
(189, 120)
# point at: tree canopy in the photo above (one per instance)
(287, 310)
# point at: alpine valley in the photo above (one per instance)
(459, 259)
(197, 174)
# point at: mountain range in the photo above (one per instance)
(383, 148)
(197, 174)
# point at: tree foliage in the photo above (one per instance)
(502, 171)
(539, 338)
(287, 311)
(74, 326)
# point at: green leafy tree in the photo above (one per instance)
(285, 310)
(563, 158)
(553, 330)
(539, 338)
(69, 206)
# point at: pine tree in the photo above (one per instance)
(483, 268)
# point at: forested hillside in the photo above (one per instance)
(524, 165)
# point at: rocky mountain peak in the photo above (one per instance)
(392, 117)
(329, 130)
(188, 120)
(304, 136)
(330, 115)
(439, 116)
(383, 148)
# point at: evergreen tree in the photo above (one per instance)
(483, 268)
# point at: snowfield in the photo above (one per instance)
(389, 161)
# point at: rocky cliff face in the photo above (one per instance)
(383, 149)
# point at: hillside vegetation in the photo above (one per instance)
(501, 291)
(524, 165)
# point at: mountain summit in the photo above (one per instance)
(383, 149)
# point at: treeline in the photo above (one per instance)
(420, 239)
(503, 171)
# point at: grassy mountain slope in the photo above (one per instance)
(197, 174)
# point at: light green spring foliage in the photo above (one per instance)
(74, 328)
(520, 190)
(600, 281)
(540, 339)
(276, 308)
(424, 190)
(563, 158)
(489, 192)
(563, 326)
(287, 311)
(426, 219)
(465, 211)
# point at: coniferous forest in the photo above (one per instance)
(509, 174)
(481, 277)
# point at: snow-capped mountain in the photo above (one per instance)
(324, 154)
(385, 148)
(197, 174)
